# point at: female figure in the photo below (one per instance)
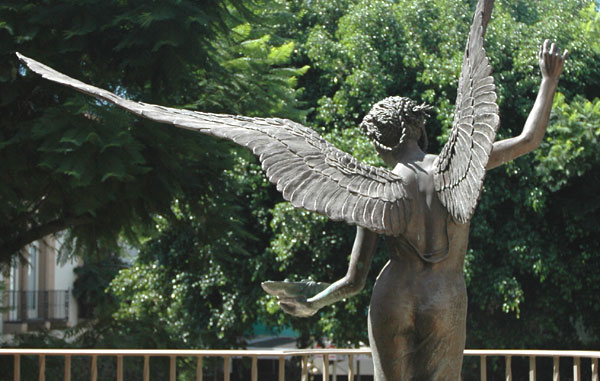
(417, 315)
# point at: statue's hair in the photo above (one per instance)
(393, 120)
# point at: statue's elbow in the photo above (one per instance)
(530, 142)
(354, 285)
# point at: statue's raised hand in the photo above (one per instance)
(551, 60)
(293, 296)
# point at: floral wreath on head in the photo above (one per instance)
(394, 119)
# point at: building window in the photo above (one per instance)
(33, 280)
(13, 289)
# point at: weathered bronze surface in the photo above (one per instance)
(417, 317)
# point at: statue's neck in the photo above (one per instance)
(408, 152)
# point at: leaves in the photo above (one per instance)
(83, 157)
(571, 147)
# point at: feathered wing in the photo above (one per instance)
(460, 167)
(309, 171)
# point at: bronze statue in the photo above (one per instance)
(417, 317)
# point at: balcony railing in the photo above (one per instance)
(281, 356)
(26, 306)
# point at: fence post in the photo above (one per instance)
(576, 369)
(94, 376)
(508, 369)
(304, 368)
(199, 372)
(483, 368)
(254, 374)
(146, 368)
(67, 367)
(226, 366)
(119, 368)
(350, 367)
(42, 373)
(172, 368)
(556, 369)
(532, 370)
(595, 369)
(281, 368)
(17, 368)
(325, 367)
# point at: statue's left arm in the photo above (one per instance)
(306, 298)
(551, 65)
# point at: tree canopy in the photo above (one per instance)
(68, 163)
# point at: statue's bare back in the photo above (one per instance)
(419, 302)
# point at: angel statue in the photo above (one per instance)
(423, 204)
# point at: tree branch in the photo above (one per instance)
(9, 248)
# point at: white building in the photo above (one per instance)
(36, 291)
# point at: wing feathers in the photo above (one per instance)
(349, 205)
(291, 185)
(484, 89)
(310, 172)
(483, 107)
(297, 194)
(359, 207)
(396, 216)
(460, 167)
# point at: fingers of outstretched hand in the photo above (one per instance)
(553, 51)
(288, 308)
(294, 289)
(270, 288)
(551, 60)
(282, 289)
(295, 306)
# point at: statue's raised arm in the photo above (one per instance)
(551, 62)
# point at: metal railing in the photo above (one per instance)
(48, 305)
(508, 354)
(254, 355)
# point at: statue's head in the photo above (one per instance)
(394, 120)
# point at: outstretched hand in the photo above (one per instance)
(551, 61)
(293, 296)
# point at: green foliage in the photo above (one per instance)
(255, 69)
(71, 163)
(93, 277)
(591, 26)
(183, 288)
(197, 283)
(571, 147)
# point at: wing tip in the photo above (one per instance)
(27, 61)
